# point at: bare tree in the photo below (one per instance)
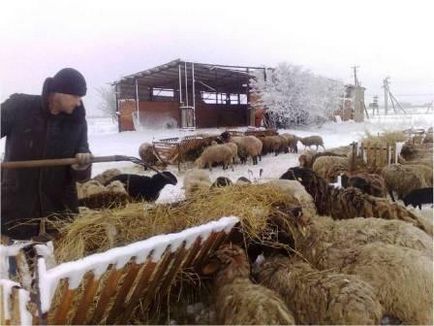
(107, 103)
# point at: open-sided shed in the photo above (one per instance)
(186, 95)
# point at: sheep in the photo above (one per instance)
(292, 141)
(243, 180)
(221, 182)
(102, 178)
(402, 180)
(275, 143)
(238, 300)
(196, 180)
(308, 157)
(360, 231)
(248, 146)
(116, 187)
(296, 190)
(146, 153)
(144, 187)
(349, 202)
(424, 170)
(215, 154)
(428, 138)
(234, 149)
(371, 184)
(312, 140)
(329, 167)
(320, 297)
(401, 277)
(89, 188)
(418, 197)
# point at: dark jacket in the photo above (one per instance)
(33, 133)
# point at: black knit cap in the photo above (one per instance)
(67, 81)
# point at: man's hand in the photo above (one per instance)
(84, 160)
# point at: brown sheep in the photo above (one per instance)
(238, 300)
(349, 202)
(146, 153)
(312, 140)
(369, 183)
(320, 297)
(248, 146)
(292, 141)
(308, 157)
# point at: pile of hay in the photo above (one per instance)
(97, 231)
(387, 137)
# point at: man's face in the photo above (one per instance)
(67, 103)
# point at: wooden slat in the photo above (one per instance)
(219, 239)
(177, 264)
(131, 270)
(90, 287)
(2, 303)
(192, 252)
(61, 312)
(110, 286)
(151, 272)
(15, 306)
(205, 248)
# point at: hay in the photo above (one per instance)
(387, 137)
(97, 231)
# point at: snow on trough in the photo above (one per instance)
(98, 263)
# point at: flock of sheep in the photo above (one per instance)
(358, 257)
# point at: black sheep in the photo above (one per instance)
(221, 182)
(418, 197)
(143, 187)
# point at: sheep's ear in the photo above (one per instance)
(211, 267)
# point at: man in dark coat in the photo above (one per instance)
(49, 126)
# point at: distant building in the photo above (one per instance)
(184, 94)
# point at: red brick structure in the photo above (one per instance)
(186, 95)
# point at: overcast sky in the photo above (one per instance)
(108, 39)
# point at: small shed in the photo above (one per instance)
(183, 94)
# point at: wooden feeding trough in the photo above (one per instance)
(106, 287)
(178, 150)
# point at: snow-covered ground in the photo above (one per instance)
(105, 140)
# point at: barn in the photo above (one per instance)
(181, 94)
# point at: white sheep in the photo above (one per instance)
(219, 153)
(402, 180)
(196, 180)
(238, 300)
(107, 175)
(320, 297)
(248, 146)
(402, 277)
(146, 153)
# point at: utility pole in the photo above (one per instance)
(356, 81)
(386, 94)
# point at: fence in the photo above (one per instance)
(106, 287)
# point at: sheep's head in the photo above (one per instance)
(165, 178)
(221, 182)
(292, 221)
(199, 163)
(225, 136)
(227, 263)
(304, 175)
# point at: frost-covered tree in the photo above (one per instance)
(294, 95)
(107, 102)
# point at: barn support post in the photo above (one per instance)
(194, 94)
(186, 84)
(137, 100)
(180, 84)
(118, 114)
